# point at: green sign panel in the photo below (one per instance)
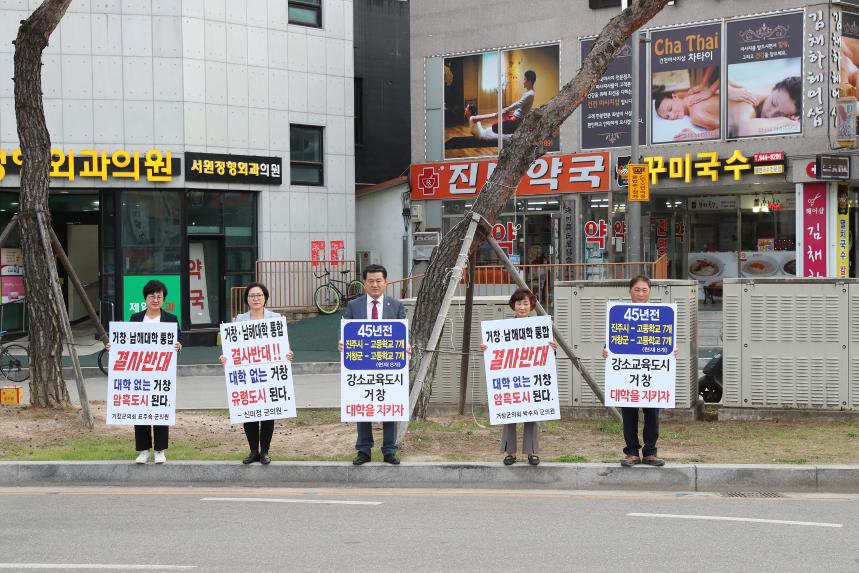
(132, 292)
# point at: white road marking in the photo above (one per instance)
(118, 567)
(277, 500)
(746, 519)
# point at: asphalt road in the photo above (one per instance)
(242, 529)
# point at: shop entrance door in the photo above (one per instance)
(667, 234)
(82, 242)
(75, 220)
(205, 287)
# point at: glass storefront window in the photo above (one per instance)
(151, 220)
(239, 216)
(204, 213)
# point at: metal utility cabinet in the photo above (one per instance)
(580, 315)
(791, 343)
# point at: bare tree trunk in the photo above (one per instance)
(525, 146)
(47, 387)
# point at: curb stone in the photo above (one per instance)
(489, 475)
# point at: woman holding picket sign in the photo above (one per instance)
(154, 292)
(259, 434)
(522, 302)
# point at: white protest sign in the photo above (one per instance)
(258, 374)
(640, 371)
(521, 377)
(141, 379)
(374, 371)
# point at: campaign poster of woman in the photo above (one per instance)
(473, 118)
(686, 84)
(765, 87)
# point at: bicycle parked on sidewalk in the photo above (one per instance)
(14, 361)
(329, 297)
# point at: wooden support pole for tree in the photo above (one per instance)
(432, 344)
(64, 321)
(540, 310)
(73, 278)
(466, 333)
(10, 226)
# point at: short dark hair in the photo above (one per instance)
(259, 286)
(153, 287)
(639, 279)
(531, 76)
(659, 93)
(374, 269)
(792, 86)
(522, 294)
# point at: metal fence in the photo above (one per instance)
(496, 280)
(292, 284)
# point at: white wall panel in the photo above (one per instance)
(216, 125)
(193, 38)
(168, 123)
(237, 44)
(139, 122)
(137, 81)
(167, 79)
(77, 38)
(77, 122)
(216, 83)
(167, 36)
(108, 123)
(136, 35)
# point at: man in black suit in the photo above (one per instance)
(374, 305)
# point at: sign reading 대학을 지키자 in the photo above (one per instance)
(640, 371)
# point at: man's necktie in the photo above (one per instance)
(375, 315)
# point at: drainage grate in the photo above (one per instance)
(766, 494)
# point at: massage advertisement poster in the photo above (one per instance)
(765, 86)
(686, 89)
(607, 112)
(475, 116)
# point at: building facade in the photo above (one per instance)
(190, 139)
(737, 104)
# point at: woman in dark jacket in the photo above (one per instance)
(154, 292)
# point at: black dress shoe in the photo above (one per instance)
(392, 459)
(252, 457)
(360, 459)
(265, 459)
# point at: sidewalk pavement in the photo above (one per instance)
(753, 480)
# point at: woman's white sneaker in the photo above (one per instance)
(160, 457)
(142, 457)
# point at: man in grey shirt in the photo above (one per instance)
(511, 116)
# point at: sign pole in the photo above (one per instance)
(633, 208)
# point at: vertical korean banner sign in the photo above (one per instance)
(374, 371)
(814, 230)
(607, 114)
(842, 233)
(640, 370)
(141, 380)
(686, 71)
(259, 376)
(765, 88)
(521, 377)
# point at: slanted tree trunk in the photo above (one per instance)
(523, 148)
(47, 387)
